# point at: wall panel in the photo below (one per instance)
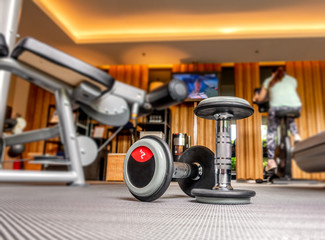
(202, 131)
(182, 118)
(134, 75)
(36, 115)
(249, 141)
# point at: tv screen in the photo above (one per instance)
(200, 85)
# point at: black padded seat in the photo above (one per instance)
(4, 51)
(59, 64)
(238, 107)
(293, 113)
(309, 154)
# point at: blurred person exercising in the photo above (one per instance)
(282, 93)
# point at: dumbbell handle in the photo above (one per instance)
(222, 157)
(223, 152)
(185, 170)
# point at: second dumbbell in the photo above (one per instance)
(149, 168)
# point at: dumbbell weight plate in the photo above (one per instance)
(205, 158)
(238, 107)
(218, 196)
(148, 168)
(88, 150)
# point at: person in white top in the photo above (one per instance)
(281, 90)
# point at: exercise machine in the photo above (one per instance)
(283, 155)
(283, 149)
(75, 84)
(78, 84)
(148, 166)
(309, 154)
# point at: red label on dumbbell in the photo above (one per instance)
(141, 154)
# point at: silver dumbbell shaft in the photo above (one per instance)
(223, 152)
(185, 170)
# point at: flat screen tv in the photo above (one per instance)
(200, 85)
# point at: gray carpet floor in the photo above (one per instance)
(108, 211)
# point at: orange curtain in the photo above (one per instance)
(310, 76)
(135, 75)
(249, 141)
(183, 118)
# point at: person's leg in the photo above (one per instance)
(294, 129)
(272, 126)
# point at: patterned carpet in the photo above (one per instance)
(108, 211)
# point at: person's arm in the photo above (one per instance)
(259, 97)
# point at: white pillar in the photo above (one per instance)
(9, 18)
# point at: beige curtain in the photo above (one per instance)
(310, 76)
(249, 141)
